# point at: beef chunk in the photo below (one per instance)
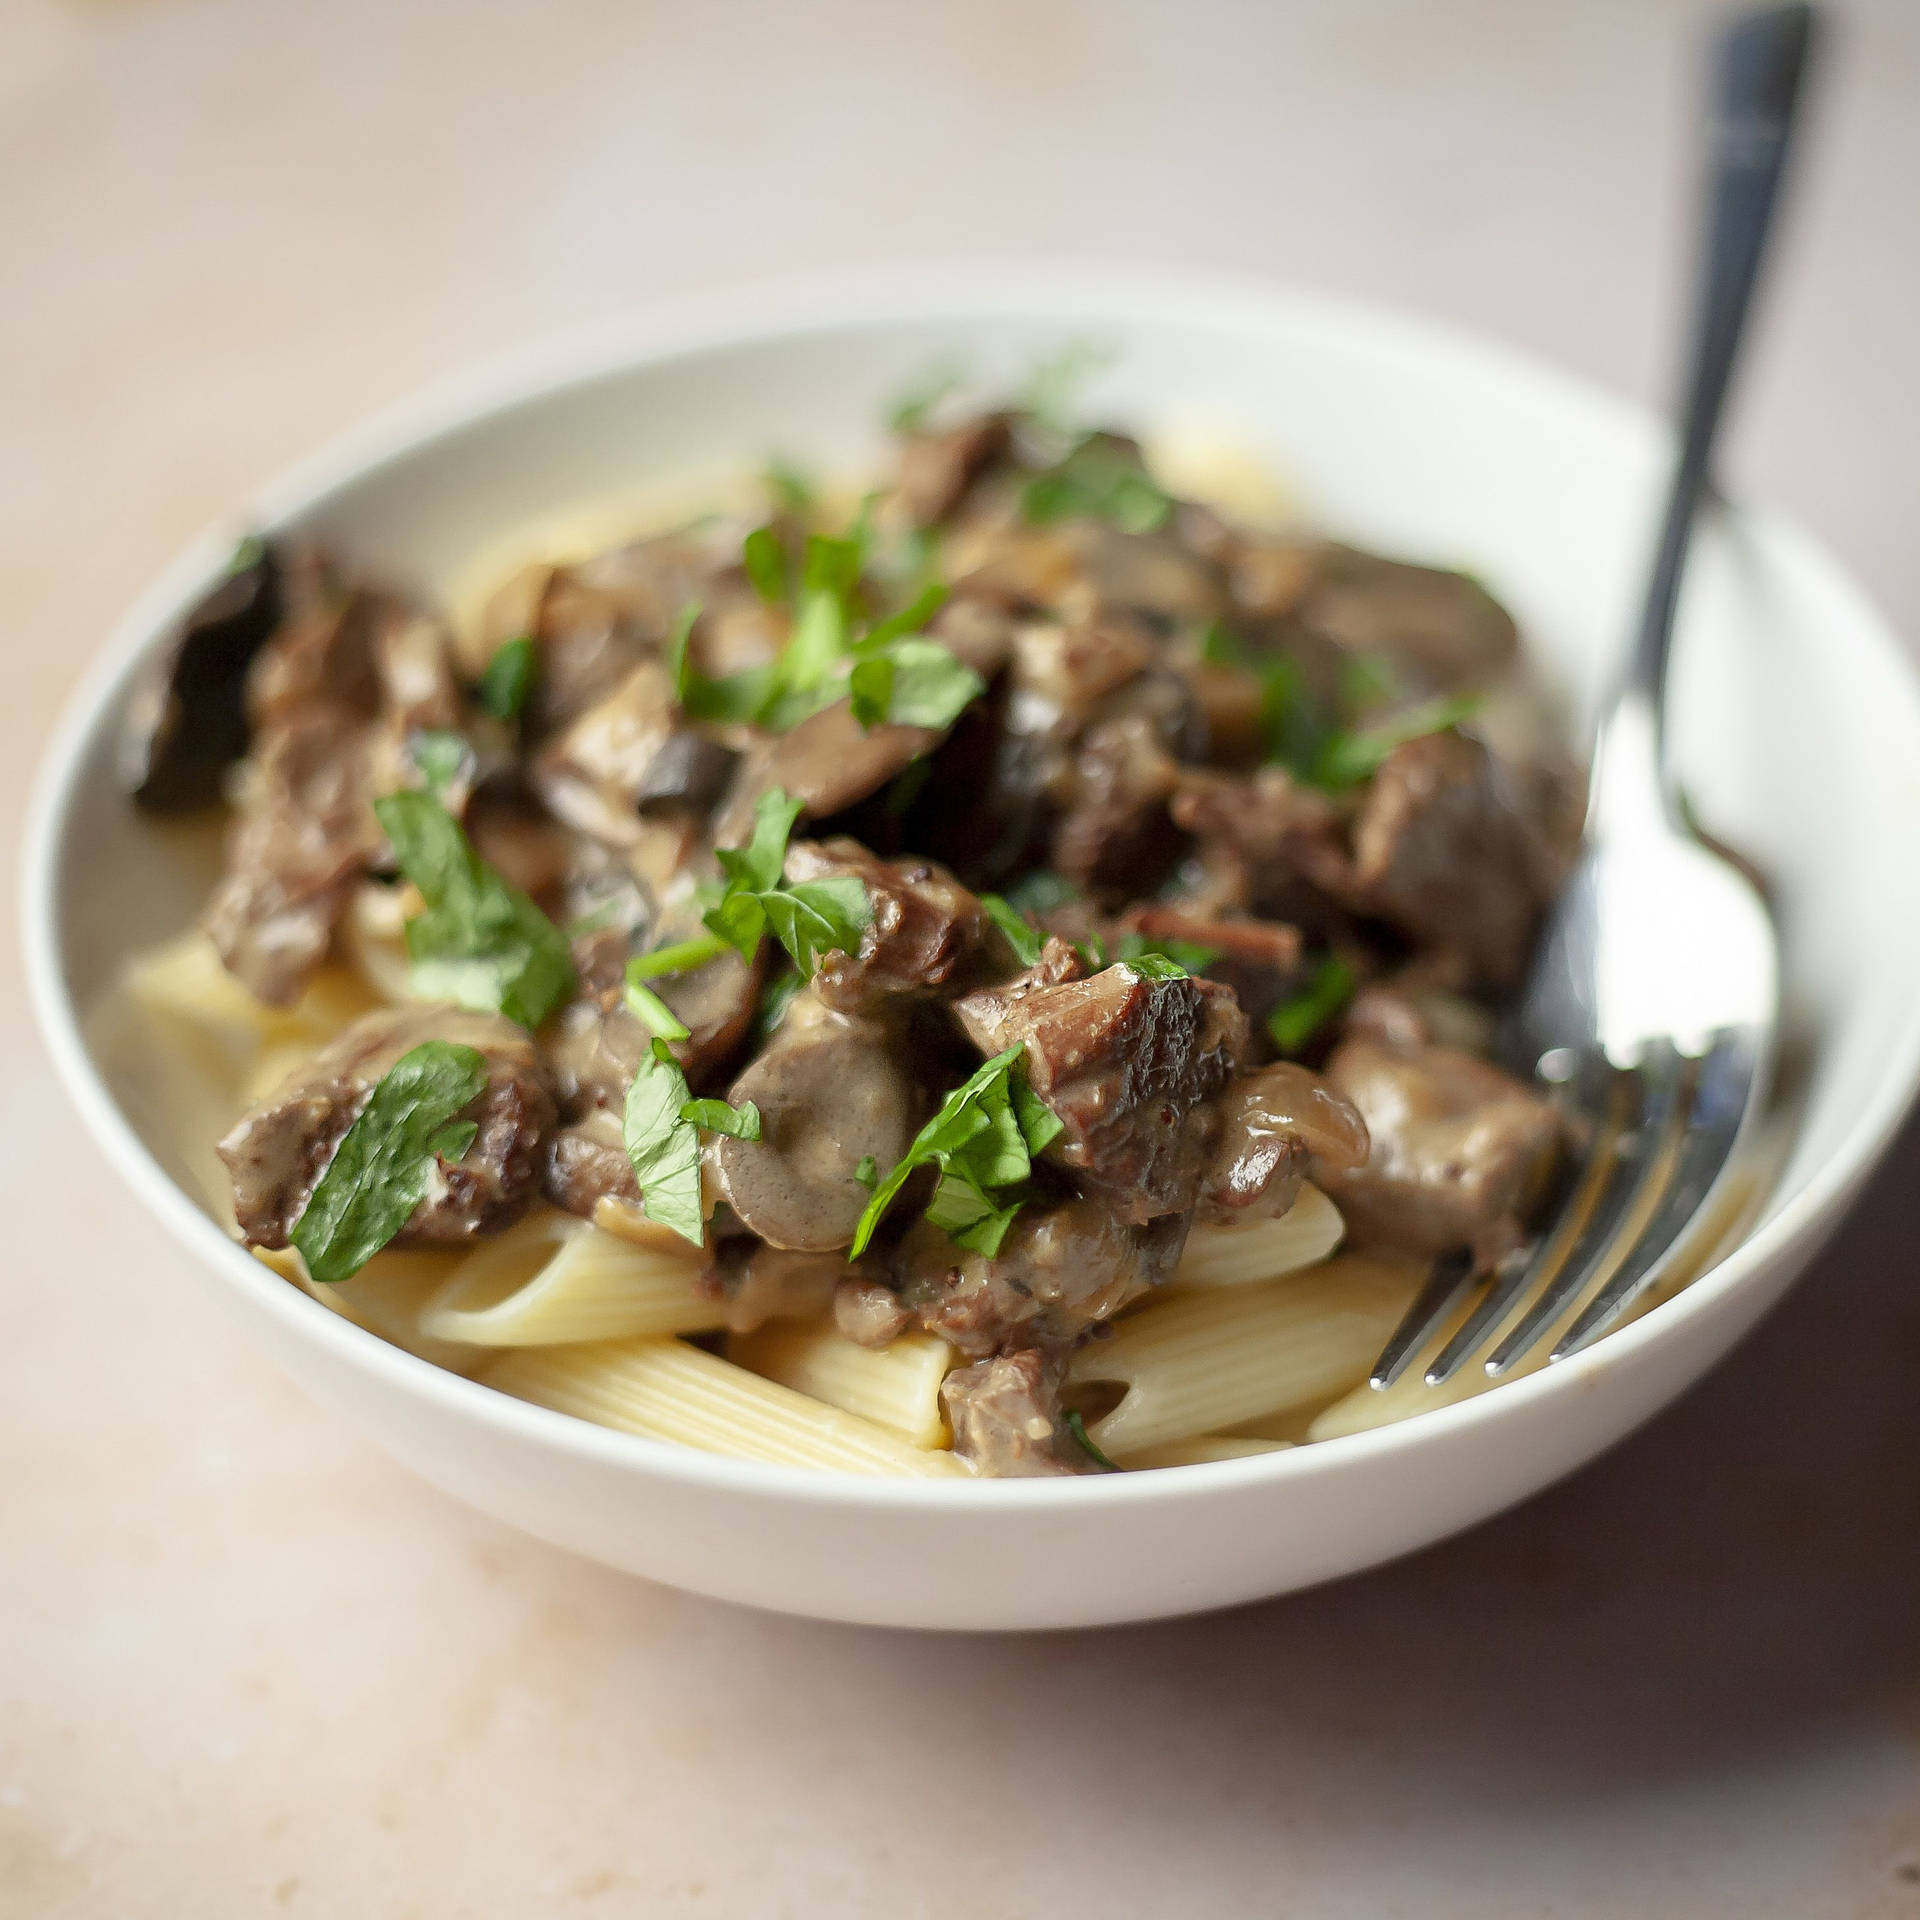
(1441, 630)
(1005, 1415)
(1276, 1127)
(302, 835)
(187, 722)
(832, 1091)
(828, 763)
(1459, 1149)
(1060, 1269)
(1268, 844)
(1128, 1064)
(868, 1312)
(277, 1153)
(924, 927)
(1442, 853)
(587, 1163)
(937, 468)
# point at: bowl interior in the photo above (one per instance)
(1796, 721)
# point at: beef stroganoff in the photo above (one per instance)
(998, 977)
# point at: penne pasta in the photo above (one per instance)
(895, 1386)
(1199, 1362)
(667, 1390)
(554, 1280)
(385, 1297)
(1242, 1256)
(1205, 1448)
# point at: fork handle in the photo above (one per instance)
(1759, 65)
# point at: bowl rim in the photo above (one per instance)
(1084, 294)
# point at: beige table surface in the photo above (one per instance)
(247, 1668)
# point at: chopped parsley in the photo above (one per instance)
(480, 943)
(662, 1129)
(1077, 1426)
(1294, 1022)
(1096, 480)
(1022, 935)
(867, 1172)
(982, 1141)
(379, 1171)
(765, 561)
(790, 490)
(1188, 956)
(1150, 965)
(808, 919)
(1347, 759)
(508, 678)
(441, 758)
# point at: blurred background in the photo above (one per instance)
(244, 1666)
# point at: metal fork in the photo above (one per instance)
(1651, 1010)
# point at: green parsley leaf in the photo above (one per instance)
(1077, 1426)
(1347, 759)
(248, 551)
(1154, 966)
(740, 1123)
(910, 618)
(1022, 935)
(1188, 955)
(980, 1140)
(1039, 1124)
(441, 758)
(650, 1010)
(1096, 481)
(1294, 1022)
(808, 919)
(663, 1147)
(968, 1218)
(738, 697)
(867, 1172)
(480, 943)
(683, 956)
(378, 1173)
(914, 682)
(766, 563)
(508, 678)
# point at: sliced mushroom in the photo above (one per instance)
(831, 1092)
(187, 722)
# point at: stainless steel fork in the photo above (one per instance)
(1652, 1007)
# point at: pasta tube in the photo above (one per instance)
(668, 1390)
(553, 1280)
(1198, 1362)
(1243, 1255)
(385, 1297)
(895, 1386)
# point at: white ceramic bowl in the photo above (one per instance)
(1797, 735)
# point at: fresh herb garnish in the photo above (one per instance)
(739, 1123)
(775, 998)
(1294, 1022)
(378, 1173)
(650, 1010)
(248, 551)
(1188, 955)
(867, 1172)
(1347, 759)
(480, 943)
(662, 1133)
(910, 682)
(508, 678)
(1022, 935)
(765, 561)
(738, 697)
(441, 758)
(1153, 966)
(1096, 481)
(809, 918)
(663, 1147)
(1077, 1426)
(982, 1140)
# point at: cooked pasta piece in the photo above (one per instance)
(896, 1386)
(668, 1390)
(553, 1280)
(1200, 1362)
(385, 1297)
(1205, 1448)
(1241, 1256)
(373, 937)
